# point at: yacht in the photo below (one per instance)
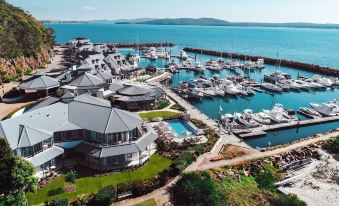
(234, 64)
(310, 112)
(278, 114)
(207, 92)
(231, 89)
(323, 81)
(183, 55)
(314, 84)
(198, 67)
(326, 109)
(187, 63)
(262, 118)
(172, 63)
(153, 55)
(303, 85)
(246, 118)
(218, 91)
(293, 85)
(260, 63)
(195, 93)
(221, 60)
(213, 65)
(271, 87)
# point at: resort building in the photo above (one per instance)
(118, 64)
(85, 131)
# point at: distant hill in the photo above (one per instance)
(117, 21)
(218, 22)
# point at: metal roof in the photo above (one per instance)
(67, 95)
(104, 75)
(46, 102)
(46, 156)
(29, 136)
(133, 90)
(115, 86)
(87, 80)
(39, 82)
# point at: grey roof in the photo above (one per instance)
(85, 67)
(115, 86)
(150, 137)
(98, 116)
(104, 75)
(67, 95)
(46, 156)
(87, 80)
(155, 92)
(39, 82)
(88, 99)
(133, 90)
(46, 102)
(29, 136)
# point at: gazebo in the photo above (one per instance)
(39, 82)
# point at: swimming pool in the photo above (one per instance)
(180, 127)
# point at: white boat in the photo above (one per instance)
(260, 63)
(221, 60)
(292, 85)
(195, 93)
(322, 81)
(183, 55)
(303, 85)
(262, 118)
(246, 118)
(213, 65)
(218, 91)
(231, 89)
(313, 84)
(198, 67)
(310, 112)
(278, 114)
(326, 109)
(207, 92)
(271, 87)
(234, 64)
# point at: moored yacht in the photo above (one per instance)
(271, 87)
(326, 109)
(246, 118)
(213, 65)
(262, 118)
(278, 114)
(183, 55)
(198, 67)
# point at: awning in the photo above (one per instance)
(46, 156)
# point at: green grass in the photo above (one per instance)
(163, 114)
(90, 185)
(150, 202)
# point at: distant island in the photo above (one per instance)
(200, 22)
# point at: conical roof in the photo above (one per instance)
(87, 80)
(39, 82)
(133, 90)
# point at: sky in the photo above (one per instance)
(316, 11)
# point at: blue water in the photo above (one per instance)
(319, 46)
(179, 126)
(290, 135)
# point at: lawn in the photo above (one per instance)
(89, 185)
(163, 114)
(150, 202)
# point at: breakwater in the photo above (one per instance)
(140, 45)
(268, 60)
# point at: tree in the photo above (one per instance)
(268, 176)
(106, 196)
(16, 176)
(196, 189)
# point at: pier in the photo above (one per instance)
(262, 131)
(273, 61)
(140, 45)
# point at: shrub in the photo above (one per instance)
(106, 196)
(58, 202)
(71, 176)
(179, 108)
(8, 79)
(289, 200)
(162, 104)
(196, 189)
(268, 176)
(184, 160)
(332, 145)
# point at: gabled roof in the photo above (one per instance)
(104, 75)
(39, 82)
(46, 156)
(133, 90)
(115, 86)
(87, 80)
(85, 67)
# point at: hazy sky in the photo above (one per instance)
(318, 11)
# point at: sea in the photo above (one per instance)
(316, 46)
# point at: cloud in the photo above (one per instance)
(89, 8)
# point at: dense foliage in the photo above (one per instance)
(16, 176)
(21, 34)
(106, 196)
(71, 176)
(58, 202)
(332, 145)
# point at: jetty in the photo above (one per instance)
(262, 131)
(140, 45)
(268, 60)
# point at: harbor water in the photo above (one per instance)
(318, 46)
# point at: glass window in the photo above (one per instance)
(129, 155)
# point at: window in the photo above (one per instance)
(37, 148)
(129, 155)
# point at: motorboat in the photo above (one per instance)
(196, 93)
(234, 64)
(183, 55)
(271, 87)
(213, 65)
(207, 92)
(292, 85)
(172, 63)
(246, 118)
(326, 109)
(278, 114)
(310, 112)
(262, 118)
(231, 89)
(260, 63)
(218, 91)
(323, 81)
(221, 60)
(198, 67)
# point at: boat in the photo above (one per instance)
(260, 64)
(231, 89)
(322, 81)
(198, 67)
(310, 112)
(207, 92)
(213, 65)
(292, 85)
(271, 87)
(246, 118)
(183, 55)
(195, 93)
(326, 109)
(262, 118)
(221, 60)
(218, 91)
(278, 114)
(172, 63)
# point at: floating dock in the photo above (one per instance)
(140, 45)
(261, 131)
(268, 60)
